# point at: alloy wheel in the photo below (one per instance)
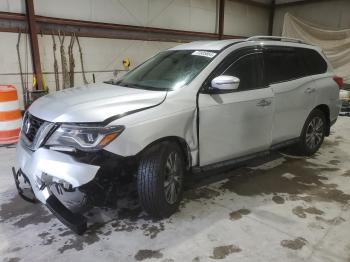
(172, 178)
(314, 132)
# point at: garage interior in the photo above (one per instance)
(276, 208)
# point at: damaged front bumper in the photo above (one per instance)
(44, 167)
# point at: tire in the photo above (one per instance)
(156, 177)
(313, 133)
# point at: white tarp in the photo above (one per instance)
(335, 43)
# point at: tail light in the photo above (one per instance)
(339, 81)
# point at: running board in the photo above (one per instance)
(241, 160)
(228, 164)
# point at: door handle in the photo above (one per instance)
(309, 90)
(264, 102)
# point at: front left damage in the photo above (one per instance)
(45, 175)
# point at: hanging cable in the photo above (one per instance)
(24, 92)
(81, 61)
(65, 77)
(71, 60)
(26, 62)
(55, 64)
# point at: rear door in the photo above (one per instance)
(236, 123)
(293, 88)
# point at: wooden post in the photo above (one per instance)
(32, 26)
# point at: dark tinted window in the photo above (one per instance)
(248, 70)
(282, 64)
(314, 62)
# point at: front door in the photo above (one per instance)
(239, 123)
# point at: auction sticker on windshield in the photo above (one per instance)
(204, 53)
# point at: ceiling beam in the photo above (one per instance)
(12, 16)
(252, 3)
(304, 2)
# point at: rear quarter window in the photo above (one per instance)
(314, 62)
(282, 64)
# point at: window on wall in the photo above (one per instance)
(248, 69)
(282, 64)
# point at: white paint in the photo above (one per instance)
(190, 15)
(245, 20)
(10, 125)
(15, 6)
(8, 106)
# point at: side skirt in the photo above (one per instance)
(228, 164)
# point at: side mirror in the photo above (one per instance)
(225, 83)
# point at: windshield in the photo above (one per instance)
(167, 70)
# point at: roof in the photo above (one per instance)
(218, 45)
(206, 45)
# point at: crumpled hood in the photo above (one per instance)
(93, 103)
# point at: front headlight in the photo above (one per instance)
(85, 138)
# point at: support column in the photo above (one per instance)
(32, 30)
(271, 17)
(221, 18)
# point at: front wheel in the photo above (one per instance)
(313, 133)
(160, 179)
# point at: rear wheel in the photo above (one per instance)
(313, 133)
(160, 179)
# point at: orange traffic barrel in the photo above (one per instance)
(10, 115)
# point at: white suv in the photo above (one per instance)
(192, 108)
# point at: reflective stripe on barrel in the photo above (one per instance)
(10, 115)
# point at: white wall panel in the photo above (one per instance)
(171, 14)
(15, 6)
(245, 20)
(189, 15)
(331, 15)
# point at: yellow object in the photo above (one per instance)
(34, 84)
(126, 63)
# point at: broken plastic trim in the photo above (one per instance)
(16, 175)
(76, 222)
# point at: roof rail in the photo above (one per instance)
(275, 38)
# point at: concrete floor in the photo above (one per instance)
(278, 209)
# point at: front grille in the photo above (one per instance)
(31, 126)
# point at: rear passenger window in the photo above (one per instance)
(282, 64)
(248, 70)
(314, 62)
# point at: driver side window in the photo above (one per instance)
(248, 69)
